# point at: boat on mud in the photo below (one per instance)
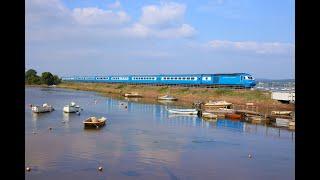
(167, 98)
(288, 113)
(183, 111)
(94, 122)
(218, 104)
(71, 108)
(41, 109)
(132, 94)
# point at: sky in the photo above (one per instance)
(123, 37)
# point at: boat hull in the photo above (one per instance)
(183, 111)
(39, 109)
(70, 109)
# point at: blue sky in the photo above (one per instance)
(107, 37)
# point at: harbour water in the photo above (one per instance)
(143, 141)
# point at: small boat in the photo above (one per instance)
(94, 122)
(167, 98)
(71, 108)
(233, 116)
(282, 122)
(41, 109)
(218, 104)
(183, 111)
(281, 112)
(209, 115)
(132, 94)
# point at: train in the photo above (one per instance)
(238, 80)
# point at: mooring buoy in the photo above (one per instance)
(249, 156)
(28, 169)
(100, 168)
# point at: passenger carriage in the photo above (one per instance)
(241, 80)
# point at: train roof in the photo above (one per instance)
(219, 74)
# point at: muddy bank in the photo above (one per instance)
(186, 96)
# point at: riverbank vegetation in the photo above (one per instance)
(185, 94)
(46, 78)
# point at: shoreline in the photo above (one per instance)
(186, 96)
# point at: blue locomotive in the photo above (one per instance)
(241, 80)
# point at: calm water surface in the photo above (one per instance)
(143, 141)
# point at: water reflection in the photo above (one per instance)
(66, 119)
(144, 141)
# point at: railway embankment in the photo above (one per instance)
(186, 95)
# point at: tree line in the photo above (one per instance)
(47, 78)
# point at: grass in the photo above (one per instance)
(186, 95)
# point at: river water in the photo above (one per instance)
(143, 141)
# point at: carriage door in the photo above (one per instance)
(206, 80)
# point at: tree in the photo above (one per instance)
(34, 80)
(56, 79)
(30, 72)
(47, 78)
(31, 77)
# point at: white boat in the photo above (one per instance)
(221, 104)
(132, 94)
(282, 122)
(41, 109)
(183, 111)
(71, 108)
(94, 122)
(281, 112)
(168, 98)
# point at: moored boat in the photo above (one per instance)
(42, 109)
(183, 111)
(281, 112)
(71, 108)
(218, 104)
(94, 122)
(132, 94)
(167, 98)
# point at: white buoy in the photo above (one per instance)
(250, 156)
(100, 168)
(28, 169)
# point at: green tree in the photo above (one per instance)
(30, 72)
(31, 77)
(47, 78)
(56, 80)
(34, 80)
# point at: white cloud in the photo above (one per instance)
(166, 13)
(115, 5)
(163, 21)
(93, 15)
(252, 46)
